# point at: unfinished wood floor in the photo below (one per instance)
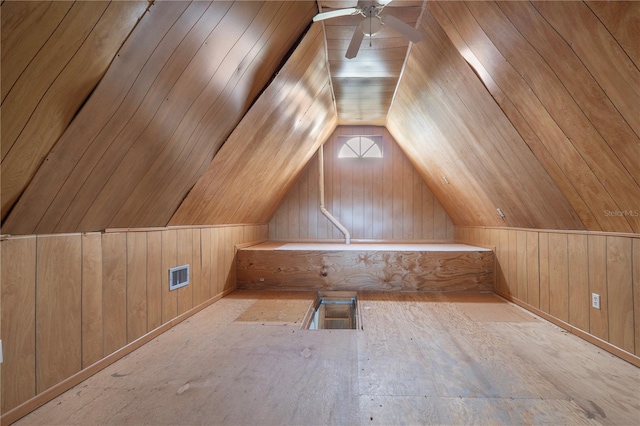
(421, 358)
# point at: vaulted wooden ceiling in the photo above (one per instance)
(131, 114)
(364, 86)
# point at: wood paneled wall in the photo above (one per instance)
(375, 199)
(555, 273)
(70, 300)
(265, 154)
(567, 77)
(53, 55)
(182, 81)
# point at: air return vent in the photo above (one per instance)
(178, 277)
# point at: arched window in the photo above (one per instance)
(360, 147)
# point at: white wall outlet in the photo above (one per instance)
(595, 300)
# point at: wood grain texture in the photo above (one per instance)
(136, 271)
(48, 92)
(154, 279)
(18, 289)
(185, 257)
(20, 43)
(636, 292)
(355, 194)
(502, 263)
(58, 309)
(546, 66)
(521, 268)
(178, 87)
(114, 291)
(582, 107)
(558, 276)
(533, 269)
(620, 292)
(169, 260)
(601, 53)
(622, 19)
(446, 121)
(286, 125)
(578, 281)
(200, 285)
(544, 272)
(569, 267)
(92, 306)
(365, 270)
(512, 270)
(420, 359)
(598, 318)
(70, 301)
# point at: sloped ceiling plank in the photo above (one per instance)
(622, 19)
(200, 63)
(162, 142)
(529, 106)
(71, 31)
(451, 127)
(264, 155)
(537, 71)
(51, 88)
(588, 117)
(218, 122)
(20, 43)
(600, 53)
(111, 106)
(168, 54)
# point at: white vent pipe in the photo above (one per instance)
(323, 209)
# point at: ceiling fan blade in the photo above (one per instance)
(335, 13)
(356, 41)
(405, 29)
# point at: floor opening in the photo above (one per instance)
(335, 310)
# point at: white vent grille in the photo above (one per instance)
(178, 277)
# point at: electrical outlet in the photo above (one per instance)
(595, 300)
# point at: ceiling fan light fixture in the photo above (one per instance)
(371, 26)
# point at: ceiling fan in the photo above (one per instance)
(373, 22)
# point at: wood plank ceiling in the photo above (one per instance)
(531, 107)
(176, 90)
(364, 86)
(546, 127)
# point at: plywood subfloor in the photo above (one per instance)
(421, 358)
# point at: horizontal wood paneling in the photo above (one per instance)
(572, 266)
(373, 198)
(68, 301)
(172, 96)
(465, 147)
(365, 270)
(264, 155)
(53, 56)
(564, 75)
